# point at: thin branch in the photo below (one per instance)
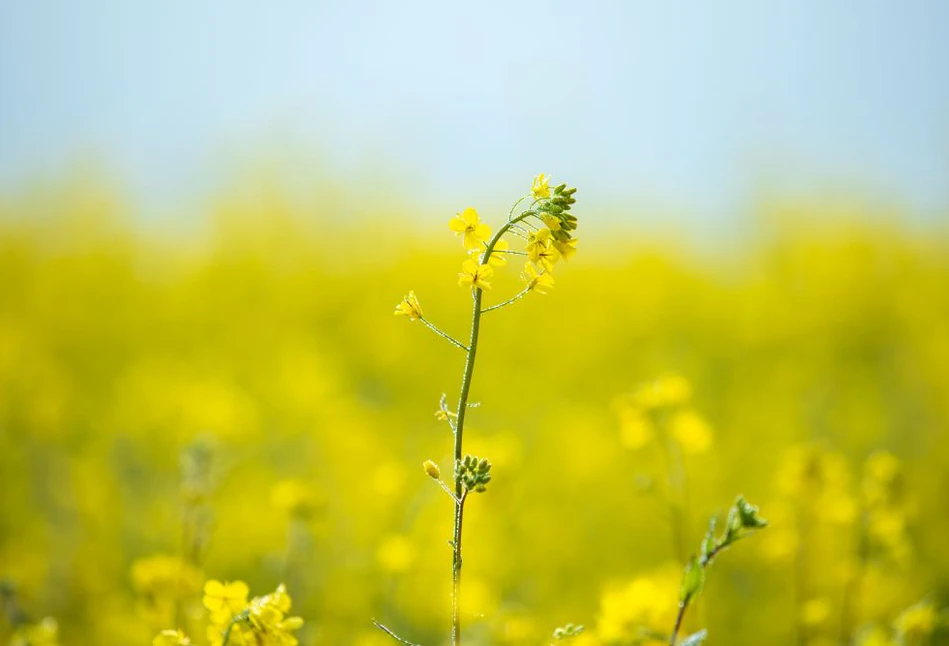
(519, 296)
(510, 214)
(392, 634)
(448, 490)
(431, 326)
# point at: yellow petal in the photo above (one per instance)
(236, 590)
(470, 216)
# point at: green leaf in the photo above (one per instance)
(748, 514)
(693, 581)
(709, 543)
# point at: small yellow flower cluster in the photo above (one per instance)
(662, 406)
(640, 609)
(545, 246)
(164, 576)
(886, 510)
(161, 582)
(43, 633)
(821, 478)
(546, 226)
(261, 622)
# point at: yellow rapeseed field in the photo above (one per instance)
(188, 422)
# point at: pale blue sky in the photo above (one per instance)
(693, 104)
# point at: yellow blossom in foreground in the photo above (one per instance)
(475, 275)
(540, 188)
(268, 620)
(497, 258)
(171, 638)
(410, 307)
(263, 623)
(539, 282)
(468, 225)
(224, 600)
(642, 603)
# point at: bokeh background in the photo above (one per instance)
(208, 213)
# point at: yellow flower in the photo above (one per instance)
(431, 469)
(538, 282)
(497, 258)
(539, 188)
(224, 600)
(468, 225)
(171, 638)
(637, 604)
(475, 275)
(162, 577)
(409, 307)
(566, 248)
(667, 391)
(691, 432)
(552, 222)
(541, 251)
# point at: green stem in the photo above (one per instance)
(704, 562)
(227, 633)
(459, 429)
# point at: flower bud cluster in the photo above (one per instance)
(473, 473)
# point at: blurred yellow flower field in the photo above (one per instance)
(183, 421)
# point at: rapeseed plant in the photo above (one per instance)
(545, 224)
